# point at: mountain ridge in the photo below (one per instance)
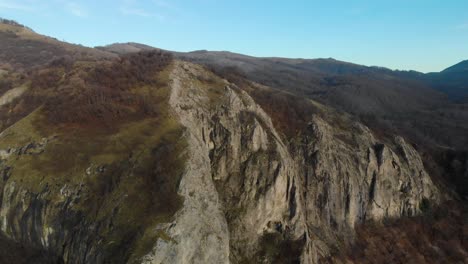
(461, 66)
(377, 67)
(455, 90)
(135, 47)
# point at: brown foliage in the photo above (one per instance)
(5, 85)
(290, 114)
(105, 94)
(437, 237)
(46, 78)
(14, 252)
(98, 92)
(130, 70)
(10, 22)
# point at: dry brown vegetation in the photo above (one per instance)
(97, 93)
(14, 252)
(108, 91)
(438, 236)
(113, 113)
(22, 49)
(439, 134)
(5, 85)
(290, 114)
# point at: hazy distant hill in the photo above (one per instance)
(452, 81)
(350, 87)
(313, 77)
(459, 67)
(313, 74)
(123, 48)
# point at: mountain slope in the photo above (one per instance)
(22, 48)
(125, 48)
(143, 157)
(389, 102)
(269, 190)
(347, 86)
(122, 192)
(459, 67)
(328, 79)
(452, 81)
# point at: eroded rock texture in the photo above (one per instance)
(250, 195)
(281, 202)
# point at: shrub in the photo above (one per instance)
(425, 205)
(99, 92)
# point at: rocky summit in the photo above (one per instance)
(132, 154)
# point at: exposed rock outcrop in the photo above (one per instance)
(10, 95)
(200, 233)
(249, 193)
(281, 201)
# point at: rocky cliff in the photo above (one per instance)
(279, 201)
(210, 180)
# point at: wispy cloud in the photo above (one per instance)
(5, 4)
(76, 9)
(130, 8)
(162, 3)
(134, 11)
(463, 26)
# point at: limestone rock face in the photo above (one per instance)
(349, 183)
(33, 219)
(266, 200)
(250, 195)
(200, 232)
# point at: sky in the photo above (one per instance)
(423, 35)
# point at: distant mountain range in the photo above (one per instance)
(452, 81)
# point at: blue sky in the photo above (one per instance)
(424, 35)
